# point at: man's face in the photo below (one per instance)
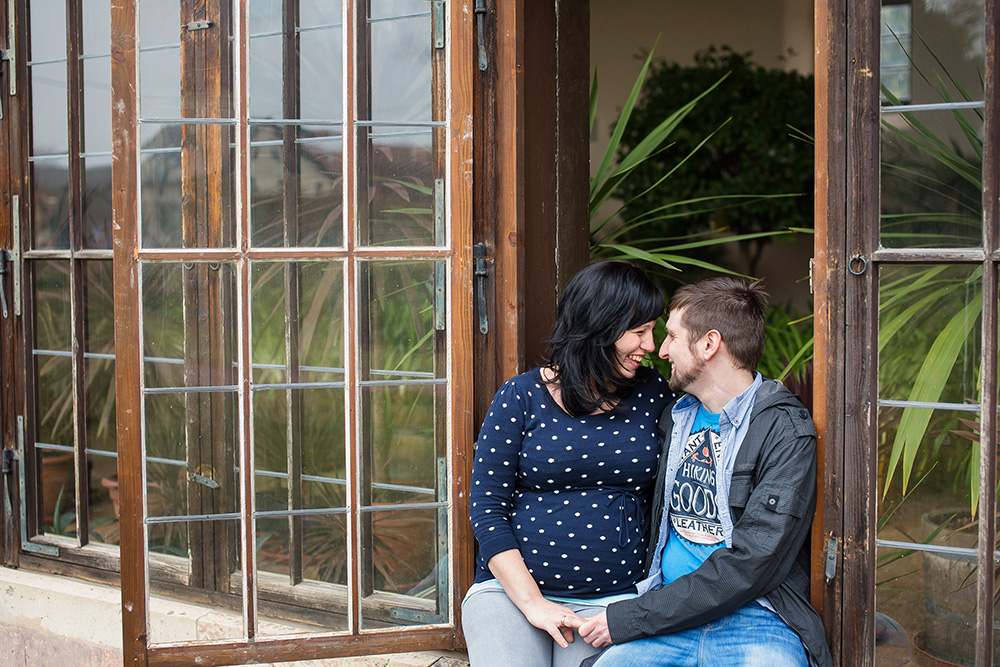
(678, 348)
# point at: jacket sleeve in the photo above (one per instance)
(494, 471)
(765, 542)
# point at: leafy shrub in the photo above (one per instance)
(753, 150)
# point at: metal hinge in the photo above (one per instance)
(10, 53)
(437, 7)
(812, 264)
(14, 257)
(198, 25)
(831, 558)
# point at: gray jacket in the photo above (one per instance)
(772, 496)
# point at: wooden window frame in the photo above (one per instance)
(847, 227)
(253, 648)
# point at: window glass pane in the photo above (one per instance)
(895, 49)
(401, 34)
(48, 30)
(97, 232)
(99, 352)
(400, 187)
(950, 46)
(265, 75)
(58, 492)
(54, 388)
(187, 324)
(320, 594)
(159, 81)
(50, 172)
(184, 201)
(404, 314)
(932, 179)
(171, 620)
(97, 105)
(102, 459)
(50, 202)
(929, 313)
(97, 29)
(407, 449)
(928, 473)
(159, 36)
(403, 416)
(404, 567)
(48, 109)
(104, 499)
(313, 169)
(321, 72)
(190, 454)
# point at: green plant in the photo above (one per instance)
(622, 235)
(933, 310)
(750, 151)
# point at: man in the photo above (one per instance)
(728, 561)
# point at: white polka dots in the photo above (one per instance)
(584, 491)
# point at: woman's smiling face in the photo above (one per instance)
(633, 345)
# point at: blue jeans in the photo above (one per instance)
(751, 636)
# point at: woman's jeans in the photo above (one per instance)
(751, 636)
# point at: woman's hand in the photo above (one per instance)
(509, 569)
(554, 619)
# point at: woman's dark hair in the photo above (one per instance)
(600, 303)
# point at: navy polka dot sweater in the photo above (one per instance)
(573, 494)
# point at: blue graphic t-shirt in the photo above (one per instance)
(695, 526)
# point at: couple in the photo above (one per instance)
(674, 532)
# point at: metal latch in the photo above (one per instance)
(481, 272)
(831, 558)
(198, 25)
(480, 12)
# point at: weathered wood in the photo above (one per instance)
(829, 323)
(128, 362)
(463, 329)
(988, 446)
(861, 293)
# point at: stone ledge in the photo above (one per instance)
(49, 619)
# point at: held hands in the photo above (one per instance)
(594, 630)
(554, 619)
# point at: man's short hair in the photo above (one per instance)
(732, 306)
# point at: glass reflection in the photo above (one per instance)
(313, 171)
(225, 623)
(406, 560)
(932, 179)
(99, 351)
(929, 347)
(97, 231)
(950, 47)
(401, 81)
(186, 193)
(401, 186)
(188, 334)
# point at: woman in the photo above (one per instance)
(563, 476)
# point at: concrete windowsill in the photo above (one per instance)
(47, 617)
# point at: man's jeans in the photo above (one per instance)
(751, 636)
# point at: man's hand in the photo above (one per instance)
(554, 619)
(594, 630)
